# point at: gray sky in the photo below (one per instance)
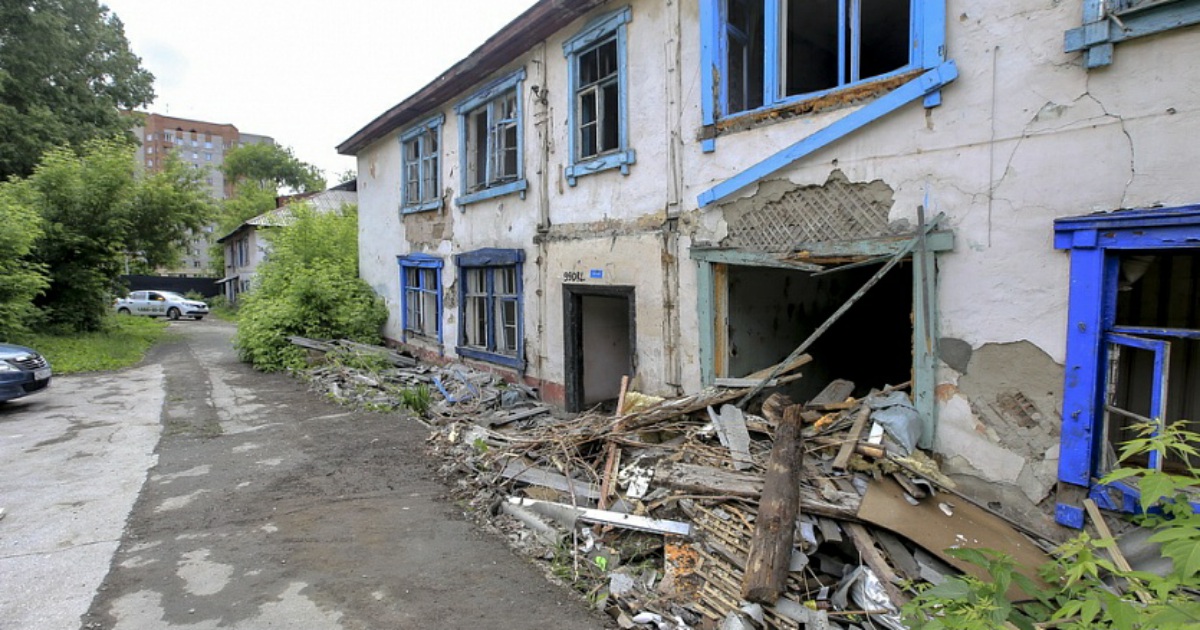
(308, 73)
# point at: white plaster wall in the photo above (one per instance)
(1025, 135)
(623, 262)
(577, 215)
(380, 233)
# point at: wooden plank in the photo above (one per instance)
(847, 451)
(901, 558)
(774, 536)
(731, 430)
(742, 382)
(866, 548)
(676, 407)
(611, 450)
(521, 471)
(837, 391)
(698, 479)
(503, 419)
(605, 517)
(1114, 551)
(943, 522)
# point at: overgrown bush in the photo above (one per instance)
(1081, 575)
(21, 280)
(308, 287)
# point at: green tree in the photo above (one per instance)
(65, 72)
(167, 208)
(258, 171)
(21, 280)
(98, 216)
(309, 287)
(269, 167)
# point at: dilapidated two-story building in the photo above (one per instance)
(687, 191)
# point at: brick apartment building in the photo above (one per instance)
(203, 145)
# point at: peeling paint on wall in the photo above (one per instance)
(427, 230)
(998, 429)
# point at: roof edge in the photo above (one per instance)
(537, 23)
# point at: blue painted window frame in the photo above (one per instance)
(927, 34)
(419, 261)
(598, 32)
(489, 260)
(1108, 22)
(485, 98)
(428, 158)
(1094, 242)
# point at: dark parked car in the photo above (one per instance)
(22, 371)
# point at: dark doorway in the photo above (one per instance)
(768, 312)
(600, 327)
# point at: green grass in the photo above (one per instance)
(123, 344)
(221, 309)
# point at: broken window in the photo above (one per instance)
(491, 326)
(490, 122)
(1153, 348)
(421, 296)
(776, 50)
(1133, 345)
(419, 152)
(596, 66)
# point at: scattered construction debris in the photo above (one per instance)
(695, 513)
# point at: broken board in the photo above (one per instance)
(943, 522)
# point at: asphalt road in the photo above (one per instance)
(193, 492)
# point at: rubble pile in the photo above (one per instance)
(692, 513)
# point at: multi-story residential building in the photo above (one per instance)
(202, 145)
(681, 191)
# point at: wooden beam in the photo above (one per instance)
(875, 561)
(775, 528)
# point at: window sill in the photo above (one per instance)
(424, 207)
(490, 357)
(520, 186)
(619, 159)
(827, 100)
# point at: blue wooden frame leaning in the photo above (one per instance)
(1091, 316)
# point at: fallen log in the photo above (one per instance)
(775, 528)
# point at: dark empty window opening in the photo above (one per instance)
(817, 45)
(598, 100)
(772, 311)
(492, 151)
(1154, 348)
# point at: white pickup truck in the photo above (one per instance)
(160, 304)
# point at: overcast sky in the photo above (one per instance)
(308, 73)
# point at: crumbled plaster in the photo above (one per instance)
(427, 230)
(606, 228)
(782, 213)
(999, 424)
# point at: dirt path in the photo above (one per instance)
(269, 507)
